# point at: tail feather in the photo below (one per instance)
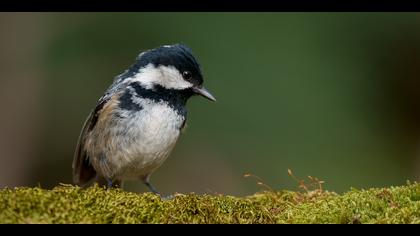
(83, 171)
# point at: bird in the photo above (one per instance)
(135, 125)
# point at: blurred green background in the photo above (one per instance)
(331, 95)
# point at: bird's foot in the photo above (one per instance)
(167, 197)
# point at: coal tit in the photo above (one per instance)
(137, 122)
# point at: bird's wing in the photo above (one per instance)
(83, 171)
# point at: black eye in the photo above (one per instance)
(187, 75)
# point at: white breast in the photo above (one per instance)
(149, 137)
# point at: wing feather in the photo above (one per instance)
(83, 171)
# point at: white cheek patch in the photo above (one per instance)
(173, 79)
(166, 76)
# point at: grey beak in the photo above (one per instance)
(204, 92)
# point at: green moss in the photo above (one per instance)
(69, 204)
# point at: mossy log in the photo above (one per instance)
(70, 204)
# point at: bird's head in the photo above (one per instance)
(172, 67)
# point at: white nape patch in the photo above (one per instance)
(141, 54)
(166, 76)
(167, 46)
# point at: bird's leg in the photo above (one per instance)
(109, 181)
(114, 183)
(152, 188)
(146, 181)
